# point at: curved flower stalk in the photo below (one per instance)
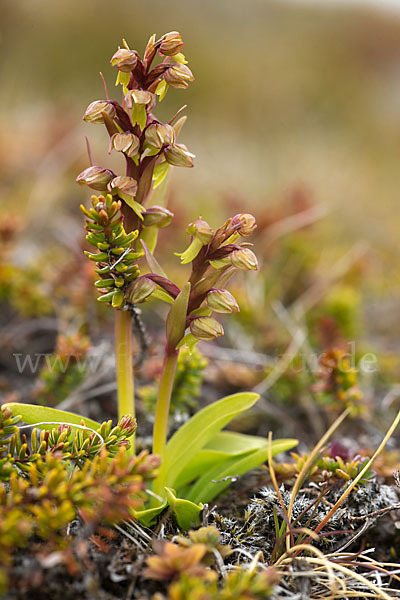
(119, 216)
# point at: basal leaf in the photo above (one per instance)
(32, 414)
(197, 432)
(201, 462)
(217, 479)
(232, 442)
(222, 446)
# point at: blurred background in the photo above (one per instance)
(294, 116)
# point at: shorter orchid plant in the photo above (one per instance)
(199, 460)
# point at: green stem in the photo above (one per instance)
(163, 402)
(124, 366)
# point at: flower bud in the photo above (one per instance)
(157, 216)
(246, 222)
(95, 177)
(126, 142)
(244, 259)
(222, 301)
(63, 428)
(179, 156)
(141, 97)
(140, 289)
(93, 113)
(124, 186)
(171, 44)
(178, 75)
(206, 328)
(124, 59)
(158, 134)
(201, 230)
(128, 424)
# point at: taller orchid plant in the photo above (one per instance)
(119, 219)
(122, 226)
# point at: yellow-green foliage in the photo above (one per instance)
(239, 584)
(60, 474)
(187, 385)
(52, 492)
(210, 537)
(77, 446)
(116, 257)
(326, 468)
(186, 564)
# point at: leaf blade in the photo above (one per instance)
(32, 414)
(197, 432)
(206, 488)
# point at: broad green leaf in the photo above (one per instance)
(222, 446)
(235, 443)
(176, 319)
(203, 461)
(186, 513)
(197, 432)
(217, 479)
(32, 414)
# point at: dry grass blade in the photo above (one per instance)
(310, 461)
(334, 582)
(359, 476)
(379, 593)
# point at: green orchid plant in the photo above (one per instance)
(200, 460)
